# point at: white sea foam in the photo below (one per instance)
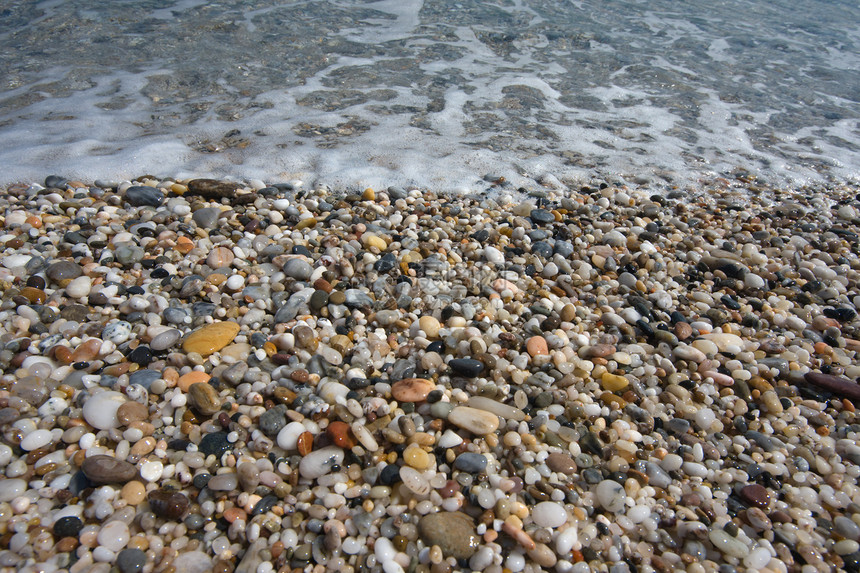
(439, 94)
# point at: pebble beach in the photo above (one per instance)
(236, 376)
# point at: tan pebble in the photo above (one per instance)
(220, 257)
(87, 351)
(211, 338)
(429, 325)
(143, 446)
(370, 240)
(130, 412)
(133, 492)
(683, 330)
(412, 389)
(184, 245)
(476, 421)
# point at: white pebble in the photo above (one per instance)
(549, 514)
(151, 471)
(36, 439)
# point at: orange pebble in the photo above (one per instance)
(184, 245)
(234, 513)
(186, 380)
(823, 348)
(847, 404)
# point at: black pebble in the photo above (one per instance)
(141, 355)
(68, 526)
(389, 475)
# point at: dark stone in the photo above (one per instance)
(69, 526)
(168, 504)
(130, 560)
(144, 377)
(200, 480)
(55, 182)
(75, 312)
(64, 270)
(264, 505)
(389, 475)
(467, 367)
(839, 386)
(385, 263)
(272, 421)
(143, 196)
(101, 469)
(471, 462)
(563, 248)
(212, 189)
(541, 217)
(755, 494)
(214, 444)
(542, 249)
(141, 355)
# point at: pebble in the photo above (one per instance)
(611, 496)
(470, 462)
(549, 514)
(561, 463)
(320, 462)
(476, 421)
(412, 389)
(204, 398)
(142, 196)
(100, 410)
(168, 504)
(210, 338)
(130, 560)
(103, 469)
(36, 439)
(453, 532)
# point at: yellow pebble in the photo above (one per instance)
(310, 222)
(211, 338)
(370, 241)
(369, 194)
(416, 458)
(613, 382)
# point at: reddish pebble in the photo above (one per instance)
(341, 435)
(305, 443)
(755, 494)
(87, 351)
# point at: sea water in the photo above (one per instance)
(443, 93)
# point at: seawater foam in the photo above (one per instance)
(434, 94)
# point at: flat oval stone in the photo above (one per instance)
(223, 482)
(12, 488)
(468, 367)
(561, 463)
(36, 439)
(165, 340)
(63, 272)
(412, 389)
(103, 469)
(204, 398)
(168, 504)
(100, 409)
(549, 514)
(471, 462)
(211, 338)
(611, 495)
(756, 495)
(453, 531)
(131, 412)
(476, 421)
(143, 196)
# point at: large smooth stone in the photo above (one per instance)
(454, 533)
(478, 422)
(211, 338)
(102, 470)
(100, 409)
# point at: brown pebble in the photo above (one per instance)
(66, 545)
(130, 412)
(561, 463)
(305, 443)
(755, 494)
(101, 470)
(168, 504)
(204, 398)
(683, 330)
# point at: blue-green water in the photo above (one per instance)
(434, 93)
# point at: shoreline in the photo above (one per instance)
(403, 380)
